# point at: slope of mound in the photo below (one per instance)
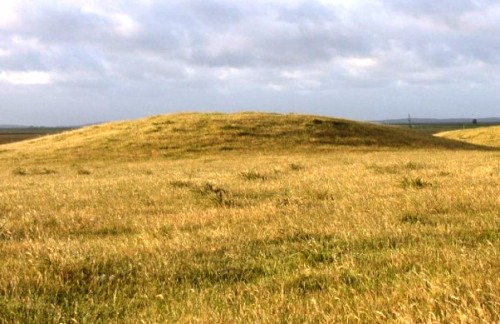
(178, 135)
(487, 136)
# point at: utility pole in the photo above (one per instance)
(409, 121)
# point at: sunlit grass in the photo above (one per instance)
(489, 136)
(189, 135)
(343, 235)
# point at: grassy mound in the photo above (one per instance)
(487, 136)
(181, 135)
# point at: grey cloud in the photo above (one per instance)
(436, 8)
(223, 47)
(60, 24)
(216, 13)
(308, 12)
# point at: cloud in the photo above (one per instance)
(159, 48)
(25, 77)
(219, 34)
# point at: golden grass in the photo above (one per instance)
(342, 235)
(188, 135)
(487, 136)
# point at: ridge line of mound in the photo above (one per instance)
(191, 134)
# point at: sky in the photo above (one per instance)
(77, 62)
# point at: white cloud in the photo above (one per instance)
(484, 21)
(361, 62)
(122, 23)
(26, 77)
(8, 15)
(125, 25)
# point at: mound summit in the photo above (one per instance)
(188, 134)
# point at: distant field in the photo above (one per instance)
(437, 128)
(248, 218)
(10, 135)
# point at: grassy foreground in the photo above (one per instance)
(346, 233)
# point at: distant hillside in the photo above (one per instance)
(488, 136)
(11, 126)
(177, 135)
(404, 121)
(17, 134)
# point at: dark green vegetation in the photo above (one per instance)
(10, 135)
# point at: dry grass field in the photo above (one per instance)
(248, 218)
(489, 136)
